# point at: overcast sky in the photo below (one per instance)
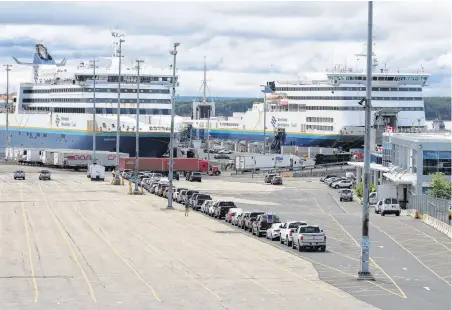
(246, 43)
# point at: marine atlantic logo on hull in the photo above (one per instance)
(64, 122)
(273, 121)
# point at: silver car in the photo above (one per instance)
(19, 174)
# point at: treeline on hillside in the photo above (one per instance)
(222, 108)
(433, 106)
(438, 106)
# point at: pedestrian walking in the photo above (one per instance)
(187, 207)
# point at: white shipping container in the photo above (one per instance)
(32, 155)
(386, 191)
(249, 162)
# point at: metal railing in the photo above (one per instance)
(434, 207)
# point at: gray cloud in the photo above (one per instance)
(245, 43)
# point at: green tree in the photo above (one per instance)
(359, 190)
(441, 186)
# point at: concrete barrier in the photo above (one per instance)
(437, 224)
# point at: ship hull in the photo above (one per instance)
(150, 144)
(297, 139)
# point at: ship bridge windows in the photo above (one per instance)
(357, 98)
(98, 100)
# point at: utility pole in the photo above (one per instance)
(364, 273)
(204, 101)
(8, 68)
(94, 109)
(137, 135)
(173, 98)
(118, 112)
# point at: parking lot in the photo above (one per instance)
(410, 260)
(74, 244)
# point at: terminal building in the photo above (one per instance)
(408, 161)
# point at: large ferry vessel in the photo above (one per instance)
(56, 109)
(325, 113)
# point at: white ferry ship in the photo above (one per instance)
(326, 113)
(56, 109)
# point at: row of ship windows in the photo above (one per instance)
(229, 125)
(98, 90)
(378, 78)
(99, 110)
(98, 100)
(319, 127)
(352, 98)
(125, 78)
(346, 89)
(302, 107)
(319, 119)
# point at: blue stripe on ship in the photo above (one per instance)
(151, 144)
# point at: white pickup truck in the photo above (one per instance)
(309, 237)
(287, 229)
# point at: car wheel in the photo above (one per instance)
(323, 248)
(298, 247)
(382, 213)
(336, 187)
(293, 245)
(289, 243)
(398, 213)
(281, 240)
(340, 199)
(350, 187)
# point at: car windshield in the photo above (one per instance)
(255, 214)
(391, 201)
(226, 204)
(295, 225)
(203, 197)
(309, 230)
(196, 173)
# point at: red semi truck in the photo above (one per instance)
(162, 164)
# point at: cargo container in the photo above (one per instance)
(162, 164)
(270, 161)
(81, 159)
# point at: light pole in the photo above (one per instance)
(364, 273)
(137, 134)
(94, 109)
(118, 112)
(173, 96)
(266, 90)
(8, 68)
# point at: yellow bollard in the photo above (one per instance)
(122, 181)
(130, 187)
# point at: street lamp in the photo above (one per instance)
(173, 96)
(364, 273)
(8, 68)
(118, 112)
(93, 62)
(137, 134)
(266, 90)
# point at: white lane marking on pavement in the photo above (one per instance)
(335, 200)
(427, 288)
(404, 268)
(381, 246)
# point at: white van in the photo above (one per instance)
(96, 172)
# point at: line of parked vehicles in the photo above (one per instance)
(385, 202)
(296, 234)
(43, 175)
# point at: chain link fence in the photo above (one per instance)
(434, 207)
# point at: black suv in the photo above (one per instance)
(264, 222)
(222, 208)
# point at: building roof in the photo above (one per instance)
(419, 137)
(401, 178)
(373, 166)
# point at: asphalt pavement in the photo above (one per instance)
(410, 261)
(70, 243)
